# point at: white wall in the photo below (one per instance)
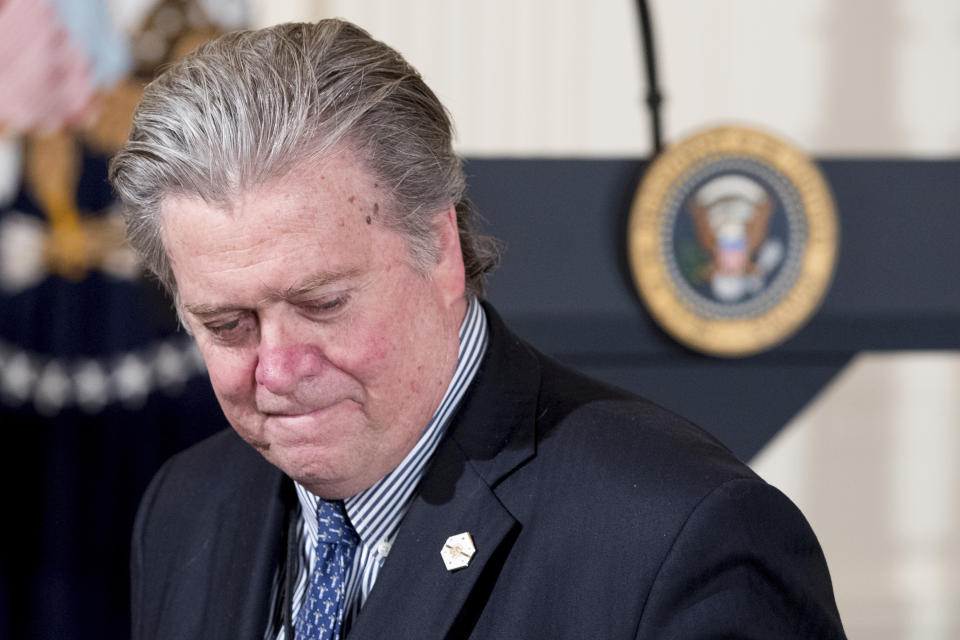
(559, 77)
(874, 464)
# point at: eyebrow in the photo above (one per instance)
(208, 310)
(305, 286)
(317, 280)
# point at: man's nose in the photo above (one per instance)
(283, 365)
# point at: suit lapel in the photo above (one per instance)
(491, 435)
(415, 596)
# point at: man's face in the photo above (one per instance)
(327, 350)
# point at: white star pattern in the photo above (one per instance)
(171, 367)
(55, 384)
(132, 379)
(18, 377)
(91, 386)
(53, 389)
(21, 252)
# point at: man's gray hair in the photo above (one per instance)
(248, 107)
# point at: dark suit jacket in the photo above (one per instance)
(595, 515)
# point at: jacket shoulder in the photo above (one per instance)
(626, 439)
(695, 536)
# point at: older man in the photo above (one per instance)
(405, 467)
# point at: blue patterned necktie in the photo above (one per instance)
(321, 613)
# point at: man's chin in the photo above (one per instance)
(307, 458)
(322, 478)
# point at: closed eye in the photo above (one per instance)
(325, 307)
(328, 305)
(232, 330)
(226, 327)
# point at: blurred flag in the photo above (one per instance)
(53, 57)
(97, 385)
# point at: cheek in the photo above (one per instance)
(372, 352)
(231, 376)
(367, 355)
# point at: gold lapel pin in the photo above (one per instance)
(458, 551)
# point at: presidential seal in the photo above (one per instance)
(732, 241)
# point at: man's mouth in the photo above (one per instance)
(296, 412)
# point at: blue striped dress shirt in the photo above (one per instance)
(377, 511)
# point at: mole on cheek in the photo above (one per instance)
(351, 199)
(368, 219)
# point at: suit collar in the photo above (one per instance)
(495, 423)
(491, 435)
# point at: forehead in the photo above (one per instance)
(338, 169)
(313, 189)
(320, 215)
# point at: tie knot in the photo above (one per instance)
(332, 523)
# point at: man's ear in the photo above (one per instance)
(449, 273)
